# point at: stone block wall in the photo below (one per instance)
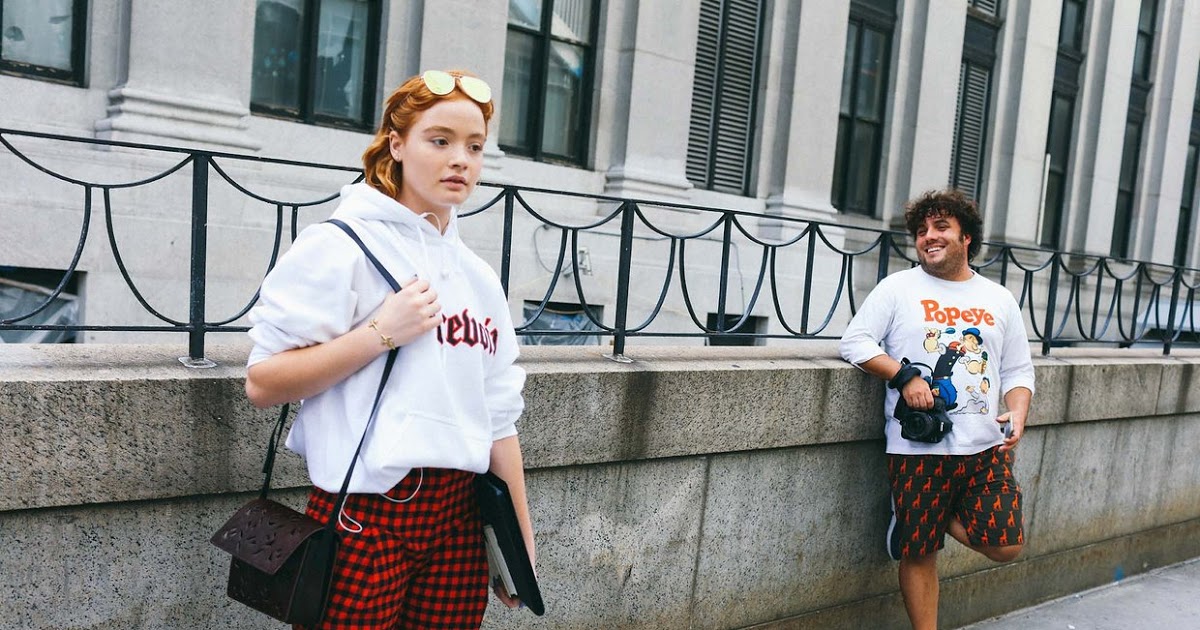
(694, 488)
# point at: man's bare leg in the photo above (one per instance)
(919, 585)
(999, 554)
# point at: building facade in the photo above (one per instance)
(1074, 123)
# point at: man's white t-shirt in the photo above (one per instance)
(967, 337)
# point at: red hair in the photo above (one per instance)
(400, 112)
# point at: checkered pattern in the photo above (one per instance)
(419, 564)
(979, 489)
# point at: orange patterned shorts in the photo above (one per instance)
(929, 490)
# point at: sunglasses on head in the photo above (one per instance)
(442, 83)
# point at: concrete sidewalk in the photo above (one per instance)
(1166, 599)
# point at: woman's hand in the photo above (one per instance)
(503, 596)
(409, 313)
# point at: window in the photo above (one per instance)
(721, 128)
(1145, 40)
(1185, 233)
(1062, 119)
(974, 97)
(753, 325)
(563, 317)
(1139, 93)
(1070, 30)
(548, 65)
(1126, 182)
(43, 38)
(315, 61)
(864, 97)
(1058, 148)
(24, 290)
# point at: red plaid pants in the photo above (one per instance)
(416, 564)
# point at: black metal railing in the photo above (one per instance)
(807, 275)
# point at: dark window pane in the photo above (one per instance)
(1141, 58)
(887, 7)
(1071, 28)
(38, 32)
(1129, 156)
(860, 170)
(1146, 16)
(572, 20)
(848, 68)
(1184, 233)
(341, 57)
(278, 38)
(564, 85)
(872, 66)
(1190, 182)
(527, 13)
(517, 102)
(1054, 204)
(1060, 132)
(843, 152)
(1121, 224)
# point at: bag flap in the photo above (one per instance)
(264, 534)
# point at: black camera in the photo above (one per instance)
(923, 425)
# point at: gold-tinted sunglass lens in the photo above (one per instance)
(477, 89)
(442, 83)
(438, 82)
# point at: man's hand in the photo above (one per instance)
(1013, 431)
(917, 394)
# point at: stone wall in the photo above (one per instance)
(700, 487)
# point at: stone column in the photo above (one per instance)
(1022, 85)
(653, 100)
(469, 35)
(186, 75)
(804, 148)
(923, 82)
(1101, 109)
(1167, 131)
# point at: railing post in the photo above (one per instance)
(623, 265)
(1051, 304)
(885, 255)
(1168, 337)
(810, 258)
(506, 244)
(199, 264)
(723, 288)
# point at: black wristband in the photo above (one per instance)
(907, 373)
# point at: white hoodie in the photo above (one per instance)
(452, 392)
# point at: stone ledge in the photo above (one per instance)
(103, 423)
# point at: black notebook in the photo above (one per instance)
(508, 559)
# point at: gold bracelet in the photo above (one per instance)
(384, 340)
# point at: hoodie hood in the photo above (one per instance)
(361, 203)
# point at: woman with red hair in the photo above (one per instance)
(411, 551)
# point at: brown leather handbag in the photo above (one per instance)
(283, 559)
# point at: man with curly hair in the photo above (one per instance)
(957, 478)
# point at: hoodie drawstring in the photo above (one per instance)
(345, 521)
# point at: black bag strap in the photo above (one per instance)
(371, 257)
(277, 432)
